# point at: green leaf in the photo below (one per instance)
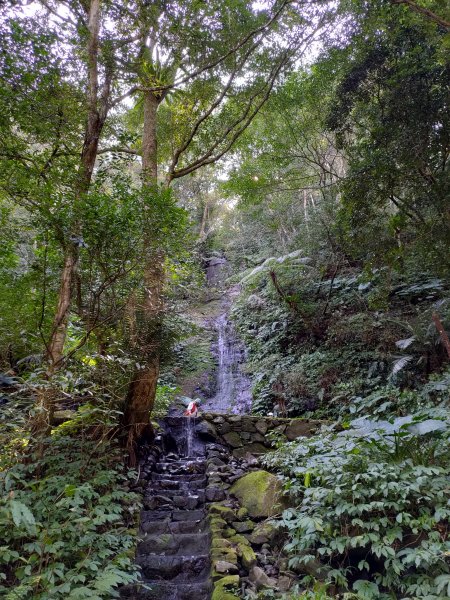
(21, 514)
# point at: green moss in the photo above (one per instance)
(248, 557)
(227, 554)
(225, 512)
(218, 542)
(229, 532)
(260, 492)
(242, 513)
(224, 588)
(239, 539)
(221, 594)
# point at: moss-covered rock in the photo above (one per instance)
(242, 513)
(218, 542)
(224, 512)
(230, 582)
(227, 554)
(243, 526)
(260, 492)
(224, 588)
(229, 532)
(264, 533)
(248, 557)
(239, 539)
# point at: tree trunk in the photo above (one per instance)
(142, 391)
(97, 113)
(56, 345)
(204, 222)
(94, 125)
(442, 332)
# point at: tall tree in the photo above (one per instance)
(221, 63)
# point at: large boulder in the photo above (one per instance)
(260, 492)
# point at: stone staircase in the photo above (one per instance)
(174, 540)
(195, 539)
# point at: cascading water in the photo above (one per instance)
(233, 392)
(188, 429)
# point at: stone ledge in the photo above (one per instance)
(250, 434)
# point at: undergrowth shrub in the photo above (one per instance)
(67, 518)
(372, 505)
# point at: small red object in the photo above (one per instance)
(191, 410)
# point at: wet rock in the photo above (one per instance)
(181, 501)
(260, 492)
(249, 460)
(217, 461)
(237, 474)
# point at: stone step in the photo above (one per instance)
(188, 515)
(177, 484)
(169, 515)
(179, 501)
(185, 477)
(181, 470)
(178, 460)
(177, 569)
(181, 544)
(176, 491)
(190, 466)
(164, 590)
(171, 527)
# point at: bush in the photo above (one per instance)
(67, 519)
(372, 506)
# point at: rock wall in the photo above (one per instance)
(248, 434)
(246, 550)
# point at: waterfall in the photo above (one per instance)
(233, 386)
(188, 430)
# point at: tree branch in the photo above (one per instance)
(421, 10)
(119, 150)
